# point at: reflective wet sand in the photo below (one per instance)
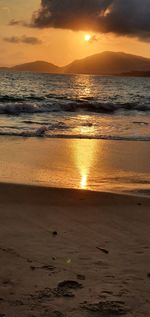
(85, 164)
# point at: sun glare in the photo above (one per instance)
(83, 183)
(87, 37)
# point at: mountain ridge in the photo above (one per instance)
(37, 66)
(108, 63)
(105, 63)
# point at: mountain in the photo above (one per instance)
(108, 63)
(38, 67)
(3, 68)
(136, 73)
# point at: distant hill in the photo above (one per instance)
(38, 67)
(136, 74)
(108, 63)
(3, 68)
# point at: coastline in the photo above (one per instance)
(37, 194)
(67, 252)
(74, 160)
(98, 165)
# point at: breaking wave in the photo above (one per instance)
(74, 107)
(24, 107)
(42, 132)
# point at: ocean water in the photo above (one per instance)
(74, 106)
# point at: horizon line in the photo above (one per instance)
(33, 61)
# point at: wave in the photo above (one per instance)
(141, 123)
(33, 132)
(11, 98)
(43, 132)
(8, 98)
(23, 107)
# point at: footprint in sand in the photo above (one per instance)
(65, 288)
(106, 308)
(69, 284)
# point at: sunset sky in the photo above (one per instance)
(57, 34)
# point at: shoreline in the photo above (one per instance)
(73, 137)
(27, 188)
(96, 165)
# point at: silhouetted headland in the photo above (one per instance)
(106, 63)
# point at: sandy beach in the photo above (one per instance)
(75, 158)
(73, 253)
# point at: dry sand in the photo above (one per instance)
(73, 253)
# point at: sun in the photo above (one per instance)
(87, 37)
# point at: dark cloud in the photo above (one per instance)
(24, 39)
(122, 17)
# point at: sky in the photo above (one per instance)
(55, 30)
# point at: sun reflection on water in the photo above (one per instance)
(85, 86)
(84, 157)
(83, 183)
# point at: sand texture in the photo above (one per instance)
(73, 253)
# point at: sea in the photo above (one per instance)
(74, 106)
(75, 131)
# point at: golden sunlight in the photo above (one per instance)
(83, 183)
(87, 37)
(84, 157)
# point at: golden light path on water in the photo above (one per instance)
(84, 158)
(70, 166)
(85, 86)
(83, 183)
(74, 163)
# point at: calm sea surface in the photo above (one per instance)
(74, 106)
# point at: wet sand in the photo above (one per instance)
(98, 165)
(73, 253)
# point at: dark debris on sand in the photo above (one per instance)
(43, 267)
(81, 277)
(103, 250)
(54, 233)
